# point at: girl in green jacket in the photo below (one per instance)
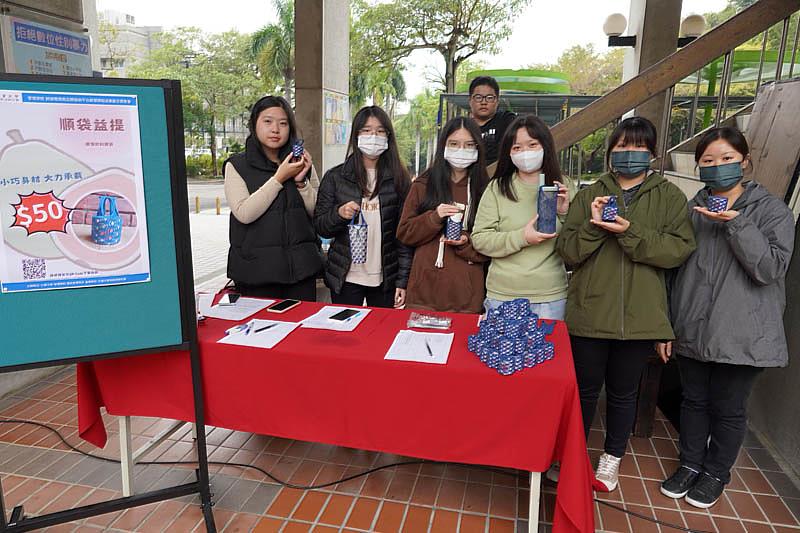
(617, 300)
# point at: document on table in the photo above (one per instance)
(322, 319)
(242, 309)
(272, 332)
(420, 347)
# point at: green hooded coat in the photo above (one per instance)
(617, 290)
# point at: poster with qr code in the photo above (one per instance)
(72, 204)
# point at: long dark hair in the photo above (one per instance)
(274, 101)
(388, 162)
(636, 131)
(438, 174)
(505, 166)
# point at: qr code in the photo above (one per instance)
(33, 269)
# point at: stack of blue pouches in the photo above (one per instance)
(511, 338)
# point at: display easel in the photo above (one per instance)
(164, 173)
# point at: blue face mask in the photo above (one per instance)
(630, 163)
(722, 177)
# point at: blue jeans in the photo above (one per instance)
(554, 310)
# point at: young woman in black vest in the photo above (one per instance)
(372, 180)
(274, 251)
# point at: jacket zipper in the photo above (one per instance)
(622, 296)
(622, 282)
(714, 240)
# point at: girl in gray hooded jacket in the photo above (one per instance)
(726, 304)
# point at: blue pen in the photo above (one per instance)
(352, 317)
(237, 329)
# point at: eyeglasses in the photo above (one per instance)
(369, 131)
(488, 98)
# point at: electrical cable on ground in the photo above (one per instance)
(331, 483)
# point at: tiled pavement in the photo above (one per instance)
(42, 474)
(39, 472)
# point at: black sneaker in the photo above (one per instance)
(705, 492)
(679, 483)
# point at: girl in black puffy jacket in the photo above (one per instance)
(373, 183)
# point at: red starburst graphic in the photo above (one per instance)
(37, 212)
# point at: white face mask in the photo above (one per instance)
(528, 160)
(373, 145)
(460, 157)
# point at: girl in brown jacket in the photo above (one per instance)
(446, 275)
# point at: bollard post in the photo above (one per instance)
(197, 204)
(218, 205)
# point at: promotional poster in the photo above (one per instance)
(72, 206)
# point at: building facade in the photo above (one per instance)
(121, 43)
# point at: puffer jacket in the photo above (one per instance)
(339, 186)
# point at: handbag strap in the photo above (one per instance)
(356, 221)
(112, 209)
(101, 206)
(111, 201)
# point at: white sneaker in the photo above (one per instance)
(553, 472)
(607, 471)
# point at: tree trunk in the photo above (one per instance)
(450, 81)
(450, 75)
(213, 145)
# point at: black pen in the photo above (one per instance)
(266, 327)
(428, 346)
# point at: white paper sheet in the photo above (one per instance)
(267, 338)
(242, 309)
(420, 347)
(203, 301)
(322, 319)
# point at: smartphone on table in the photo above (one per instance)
(283, 306)
(344, 314)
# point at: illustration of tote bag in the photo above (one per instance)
(106, 223)
(358, 238)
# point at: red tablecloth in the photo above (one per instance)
(336, 388)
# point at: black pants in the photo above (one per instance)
(354, 294)
(714, 405)
(619, 365)
(305, 290)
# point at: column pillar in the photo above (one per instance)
(322, 78)
(656, 24)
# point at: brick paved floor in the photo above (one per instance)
(40, 473)
(43, 475)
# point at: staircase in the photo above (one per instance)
(703, 55)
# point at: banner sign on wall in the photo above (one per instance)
(35, 48)
(337, 117)
(72, 205)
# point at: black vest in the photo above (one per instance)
(281, 245)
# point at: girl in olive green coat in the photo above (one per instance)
(617, 300)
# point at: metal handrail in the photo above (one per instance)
(695, 100)
(721, 101)
(761, 59)
(794, 49)
(668, 95)
(782, 50)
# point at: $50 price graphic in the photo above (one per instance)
(38, 212)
